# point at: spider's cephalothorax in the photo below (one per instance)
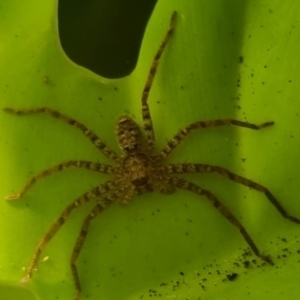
(138, 170)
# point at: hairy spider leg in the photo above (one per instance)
(98, 167)
(189, 186)
(203, 168)
(148, 126)
(98, 191)
(88, 133)
(182, 134)
(127, 195)
(81, 239)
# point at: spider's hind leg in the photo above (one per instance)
(182, 134)
(145, 107)
(56, 114)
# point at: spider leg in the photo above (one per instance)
(91, 195)
(54, 113)
(98, 167)
(80, 241)
(145, 107)
(127, 195)
(182, 134)
(203, 168)
(186, 185)
(83, 233)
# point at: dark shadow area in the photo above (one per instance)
(104, 36)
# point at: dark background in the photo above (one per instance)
(104, 36)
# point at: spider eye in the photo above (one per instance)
(140, 181)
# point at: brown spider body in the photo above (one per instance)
(128, 135)
(139, 170)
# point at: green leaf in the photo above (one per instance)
(225, 60)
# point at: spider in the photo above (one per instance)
(139, 169)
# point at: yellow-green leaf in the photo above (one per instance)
(227, 59)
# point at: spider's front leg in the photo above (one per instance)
(114, 194)
(80, 241)
(186, 185)
(204, 168)
(91, 195)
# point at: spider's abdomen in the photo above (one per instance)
(128, 134)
